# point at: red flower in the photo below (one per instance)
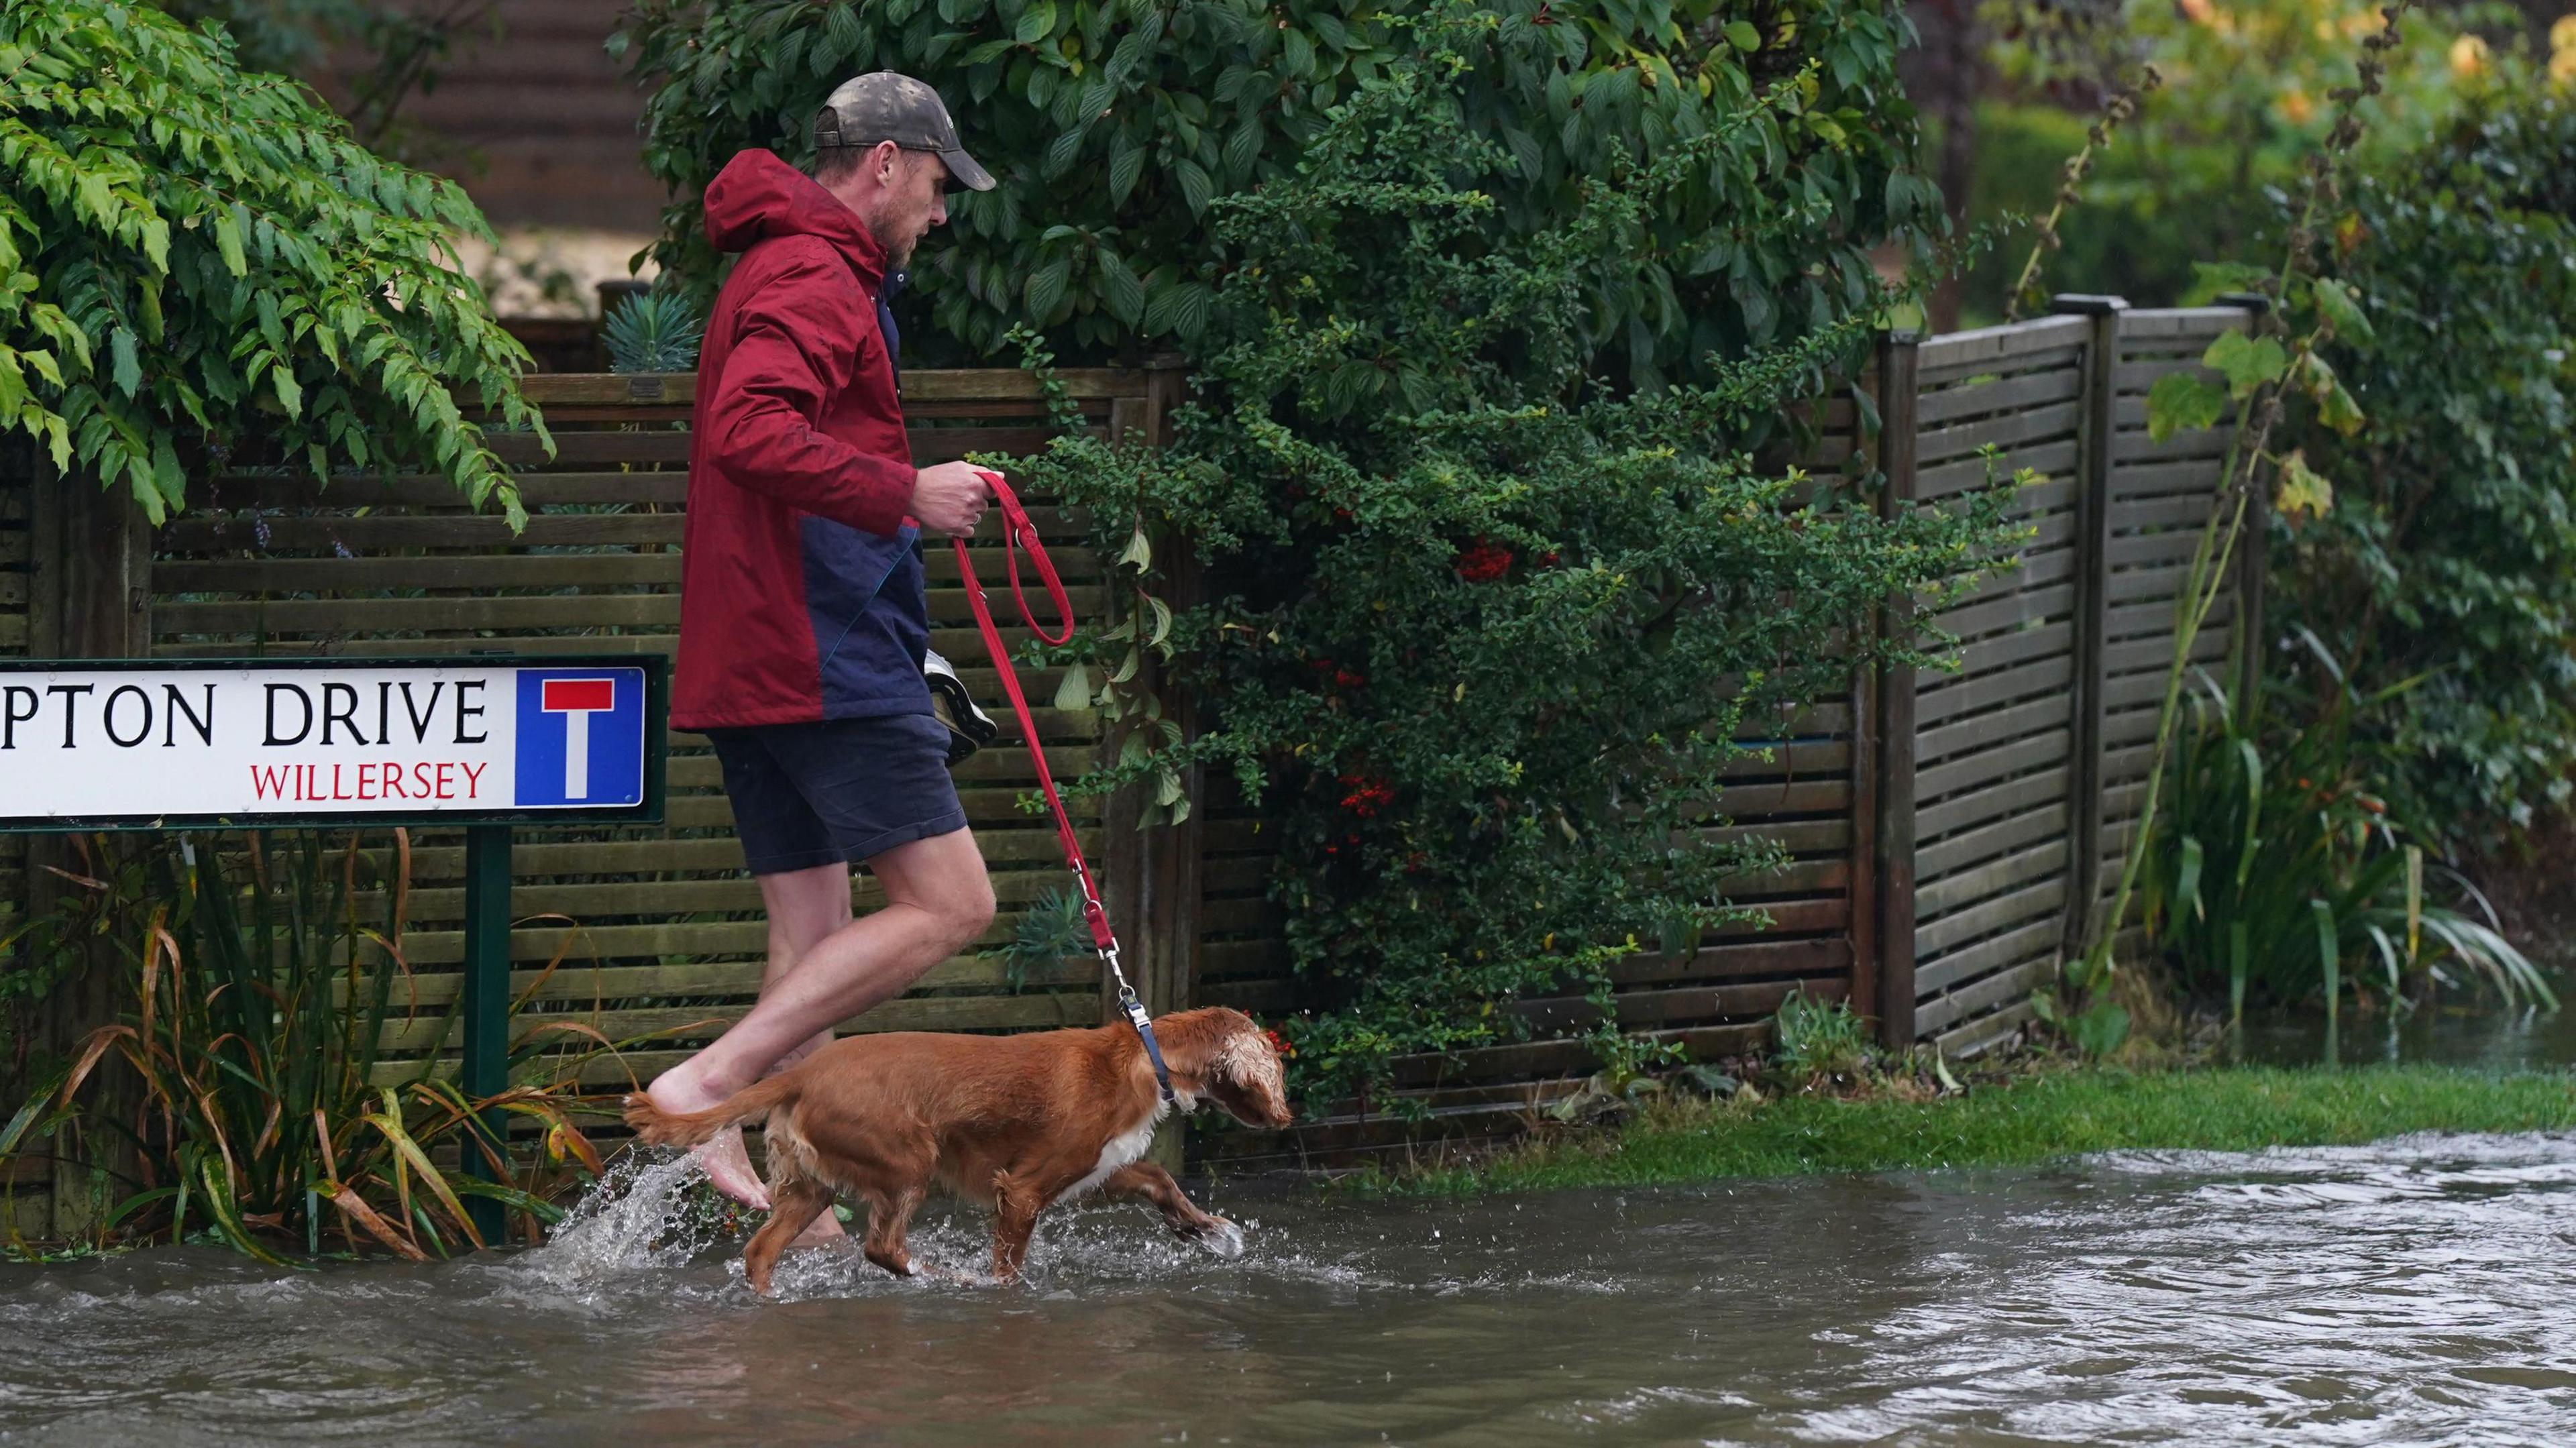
(1483, 563)
(1547, 559)
(1348, 680)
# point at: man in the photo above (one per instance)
(802, 618)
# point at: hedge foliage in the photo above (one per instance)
(1116, 126)
(2446, 563)
(190, 254)
(1485, 632)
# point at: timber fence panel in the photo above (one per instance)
(647, 935)
(2160, 500)
(1994, 736)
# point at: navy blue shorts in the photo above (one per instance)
(842, 789)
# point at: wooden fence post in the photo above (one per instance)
(88, 597)
(1893, 829)
(2092, 611)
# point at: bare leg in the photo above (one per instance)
(937, 902)
(800, 1200)
(805, 907)
(803, 913)
(1183, 1216)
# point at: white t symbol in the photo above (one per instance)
(577, 700)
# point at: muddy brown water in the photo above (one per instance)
(2419, 1291)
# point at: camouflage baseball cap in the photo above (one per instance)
(883, 106)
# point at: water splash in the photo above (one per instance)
(641, 1215)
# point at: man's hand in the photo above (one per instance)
(950, 498)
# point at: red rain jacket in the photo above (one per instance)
(800, 578)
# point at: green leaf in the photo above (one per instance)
(2342, 310)
(128, 370)
(1036, 23)
(1742, 35)
(1062, 153)
(2338, 411)
(1119, 289)
(2183, 402)
(2302, 493)
(1046, 289)
(1126, 166)
(1139, 552)
(841, 28)
(1196, 187)
(229, 243)
(2245, 362)
(1073, 691)
(1190, 310)
(2329, 951)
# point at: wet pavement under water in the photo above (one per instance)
(2419, 1291)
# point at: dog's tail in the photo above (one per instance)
(657, 1127)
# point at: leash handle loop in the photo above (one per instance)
(1019, 535)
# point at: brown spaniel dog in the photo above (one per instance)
(1017, 1123)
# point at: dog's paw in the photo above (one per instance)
(1225, 1239)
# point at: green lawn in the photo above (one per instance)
(2224, 1109)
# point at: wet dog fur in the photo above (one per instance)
(1016, 1123)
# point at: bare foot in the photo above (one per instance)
(823, 1231)
(722, 1157)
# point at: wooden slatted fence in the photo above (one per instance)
(1949, 828)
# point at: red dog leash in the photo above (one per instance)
(1019, 533)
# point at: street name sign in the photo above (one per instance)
(165, 744)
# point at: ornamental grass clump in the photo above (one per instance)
(1481, 632)
(246, 1078)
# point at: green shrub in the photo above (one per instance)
(191, 256)
(1114, 126)
(2449, 550)
(1486, 632)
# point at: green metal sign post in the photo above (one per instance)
(485, 1071)
(488, 742)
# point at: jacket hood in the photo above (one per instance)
(758, 197)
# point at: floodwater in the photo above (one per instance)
(2419, 1292)
(2439, 1035)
